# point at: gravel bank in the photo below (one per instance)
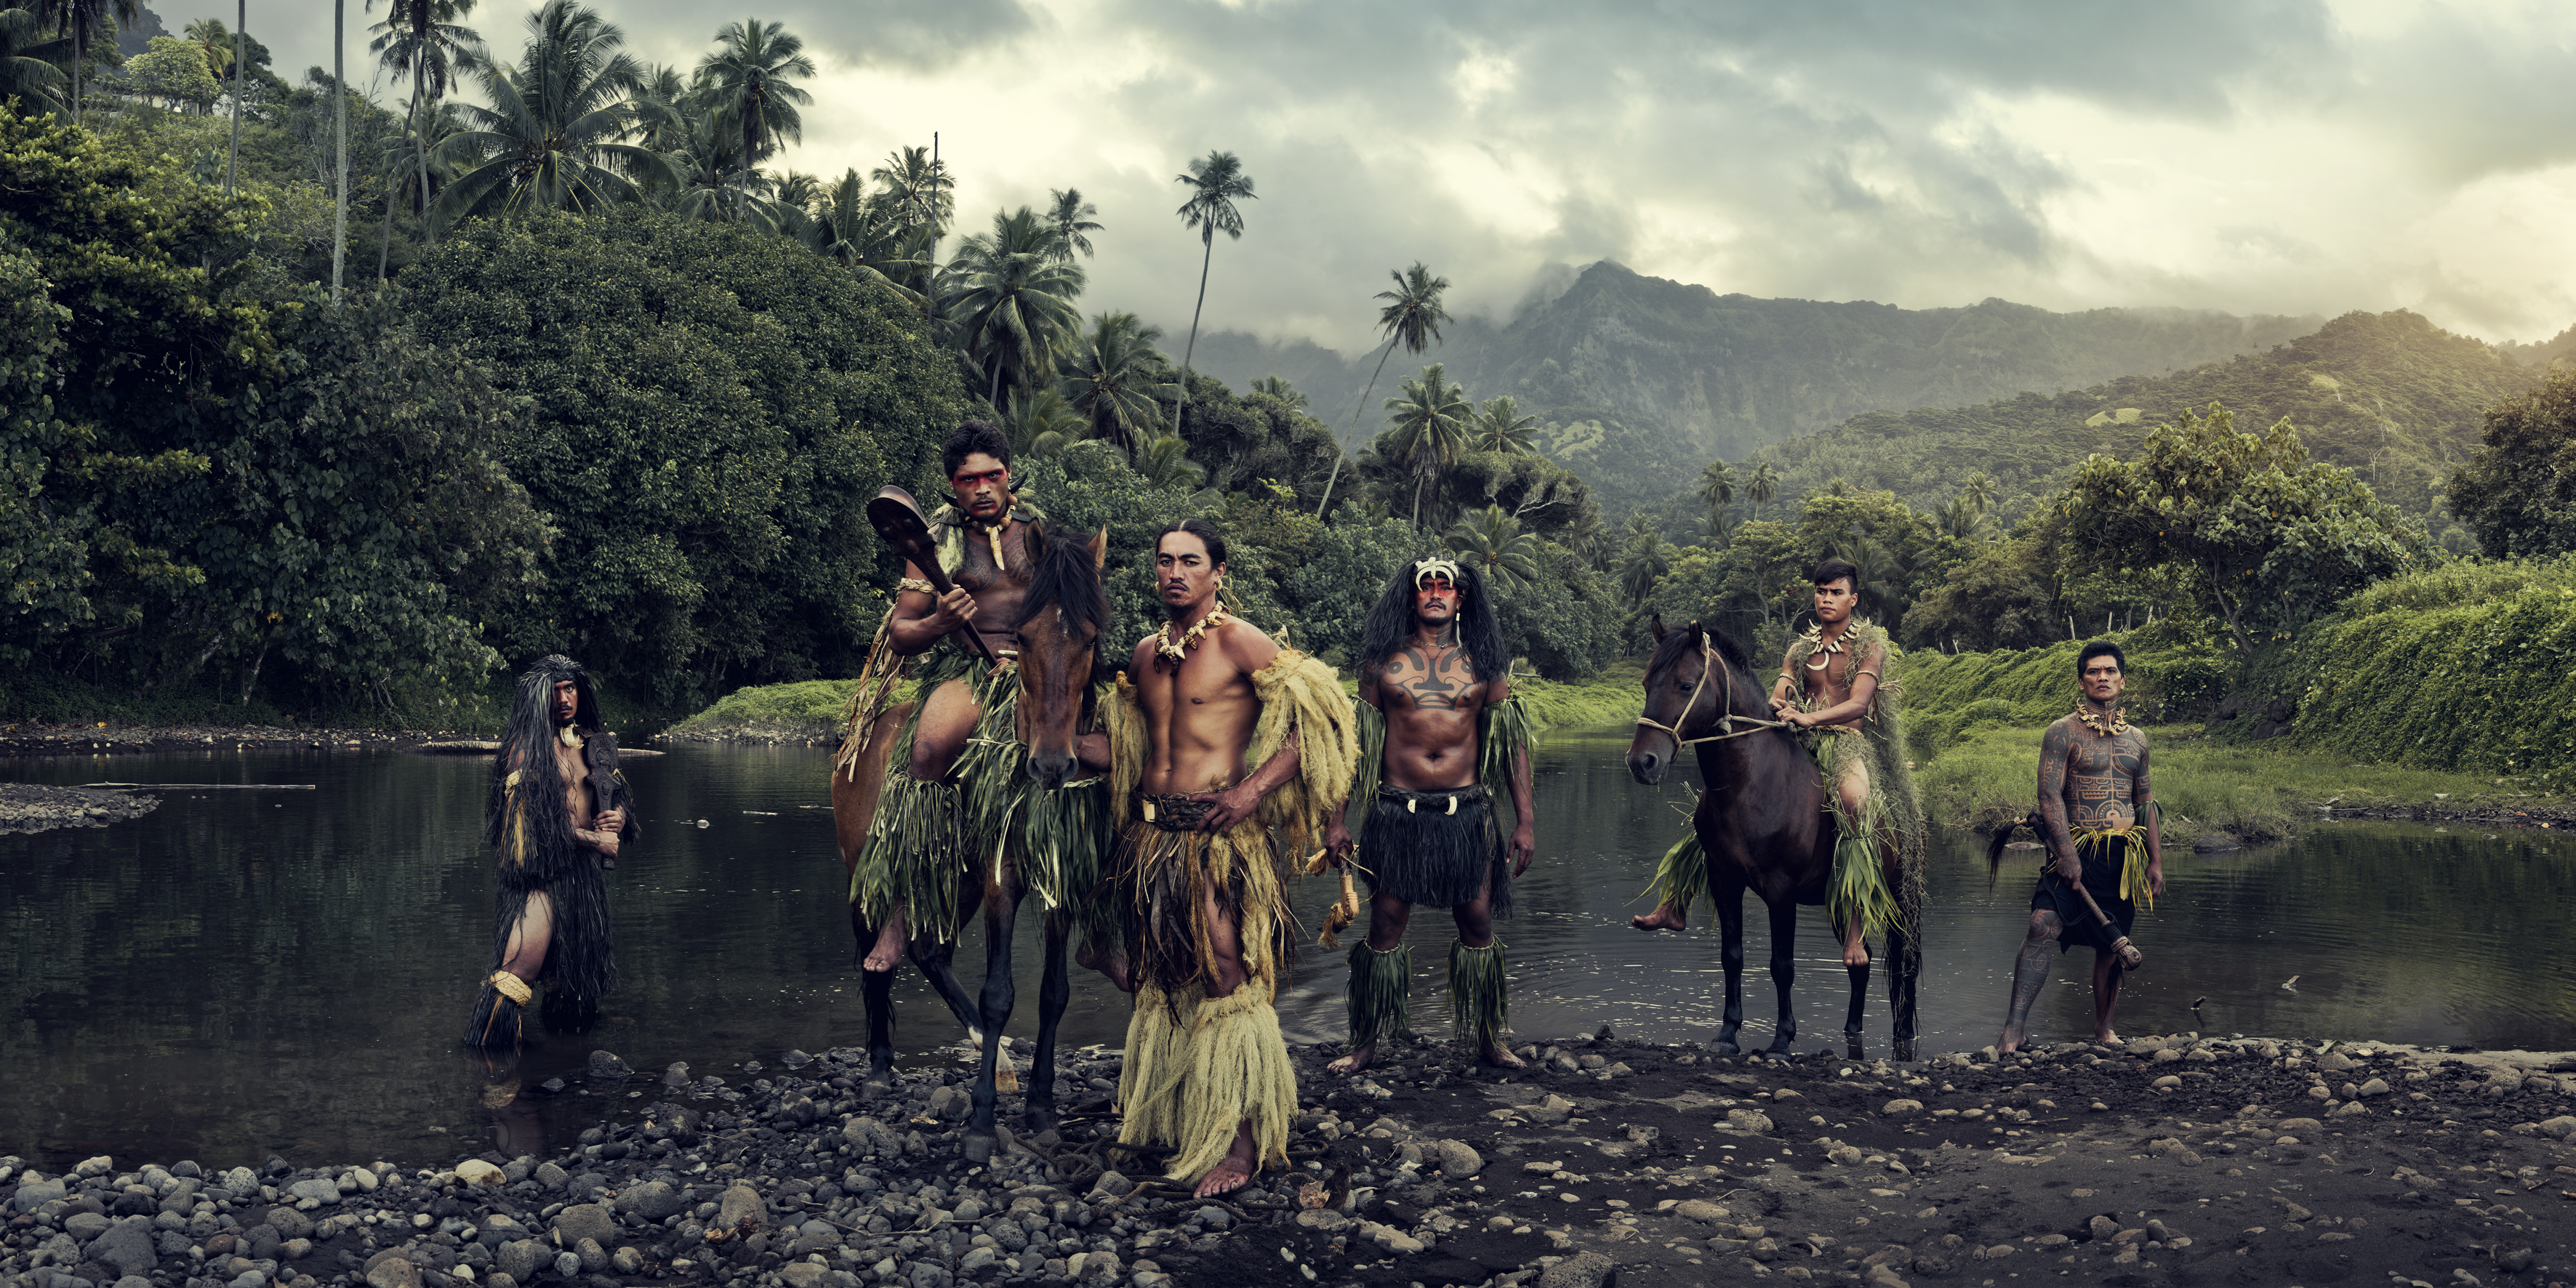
(2177, 1160)
(28, 807)
(94, 739)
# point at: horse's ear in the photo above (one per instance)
(1696, 633)
(1657, 621)
(1100, 547)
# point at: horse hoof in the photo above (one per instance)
(1041, 1118)
(980, 1146)
(1725, 1046)
(878, 1084)
(1904, 1049)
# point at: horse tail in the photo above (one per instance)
(2003, 836)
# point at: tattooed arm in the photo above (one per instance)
(2054, 832)
(2140, 796)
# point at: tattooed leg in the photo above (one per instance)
(2106, 996)
(2030, 975)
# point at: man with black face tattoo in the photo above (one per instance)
(557, 813)
(2098, 818)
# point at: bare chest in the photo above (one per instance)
(998, 590)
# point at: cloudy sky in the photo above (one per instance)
(2279, 156)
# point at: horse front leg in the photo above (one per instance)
(1728, 893)
(876, 991)
(1001, 910)
(1904, 969)
(1855, 1017)
(1054, 991)
(1784, 970)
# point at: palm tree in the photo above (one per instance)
(216, 44)
(1763, 485)
(1115, 379)
(550, 138)
(1010, 296)
(1978, 491)
(708, 184)
(1716, 491)
(1071, 216)
(918, 187)
(1431, 420)
(1279, 390)
(1041, 423)
(340, 99)
(1413, 318)
(30, 62)
(749, 77)
(1494, 543)
(1164, 461)
(849, 224)
(1215, 182)
(83, 21)
(428, 39)
(1643, 561)
(241, 28)
(1501, 427)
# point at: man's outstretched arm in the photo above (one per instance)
(2053, 749)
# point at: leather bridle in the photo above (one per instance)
(1710, 661)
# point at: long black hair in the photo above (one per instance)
(527, 749)
(1391, 623)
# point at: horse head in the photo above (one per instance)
(1694, 680)
(1061, 620)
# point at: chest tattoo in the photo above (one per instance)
(2101, 778)
(1434, 679)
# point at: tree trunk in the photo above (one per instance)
(1207, 238)
(1356, 412)
(420, 140)
(241, 19)
(340, 95)
(385, 235)
(2244, 643)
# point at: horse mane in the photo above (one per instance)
(1066, 578)
(1679, 641)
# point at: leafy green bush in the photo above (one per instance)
(2392, 684)
(1948, 696)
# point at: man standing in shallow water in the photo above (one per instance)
(2098, 819)
(1223, 737)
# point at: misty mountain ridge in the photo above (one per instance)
(1638, 377)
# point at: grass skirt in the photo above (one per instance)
(1418, 847)
(1197, 1067)
(1165, 872)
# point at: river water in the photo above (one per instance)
(242, 973)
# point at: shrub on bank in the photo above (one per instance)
(1949, 696)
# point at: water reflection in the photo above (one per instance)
(241, 972)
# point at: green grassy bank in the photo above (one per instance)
(810, 710)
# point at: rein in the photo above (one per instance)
(1710, 661)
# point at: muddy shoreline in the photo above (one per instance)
(2182, 1160)
(93, 738)
(30, 807)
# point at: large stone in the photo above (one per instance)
(127, 1246)
(805, 1274)
(584, 1221)
(519, 1259)
(1553, 1109)
(870, 1136)
(740, 1203)
(950, 1104)
(815, 1236)
(1582, 1270)
(475, 1171)
(36, 1194)
(290, 1224)
(242, 1181)
(653, 1200)
(594, 1257)
(605, 1065)
(1752, 1120)
(1700, 1210)
(85, 1226)
(1901, 1108)
(319, 1189)
(1457, 1160)
(393, 1272)
(550, 1176)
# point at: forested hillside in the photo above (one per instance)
(2389, 395)
(1636, 380)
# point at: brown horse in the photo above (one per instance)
(1063, 615)
(1762, 823)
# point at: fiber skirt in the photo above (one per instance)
(2102, 864)
(1438, 848)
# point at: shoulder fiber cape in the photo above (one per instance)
(1298, 695)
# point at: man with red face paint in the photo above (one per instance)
(1441, 739)
(1224, 745)
(914, 874)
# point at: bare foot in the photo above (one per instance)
(1500, 1056)
(2011, 1040)
(2110, 1039)
(1358, 1059)
(889, 949)
(1665, 917)
(1234, 1171)
(1856, 953)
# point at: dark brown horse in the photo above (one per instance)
(1064, 614)
(1762, 822)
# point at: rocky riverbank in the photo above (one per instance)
(30, 807)
(2174, 1160)
(109, 739)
